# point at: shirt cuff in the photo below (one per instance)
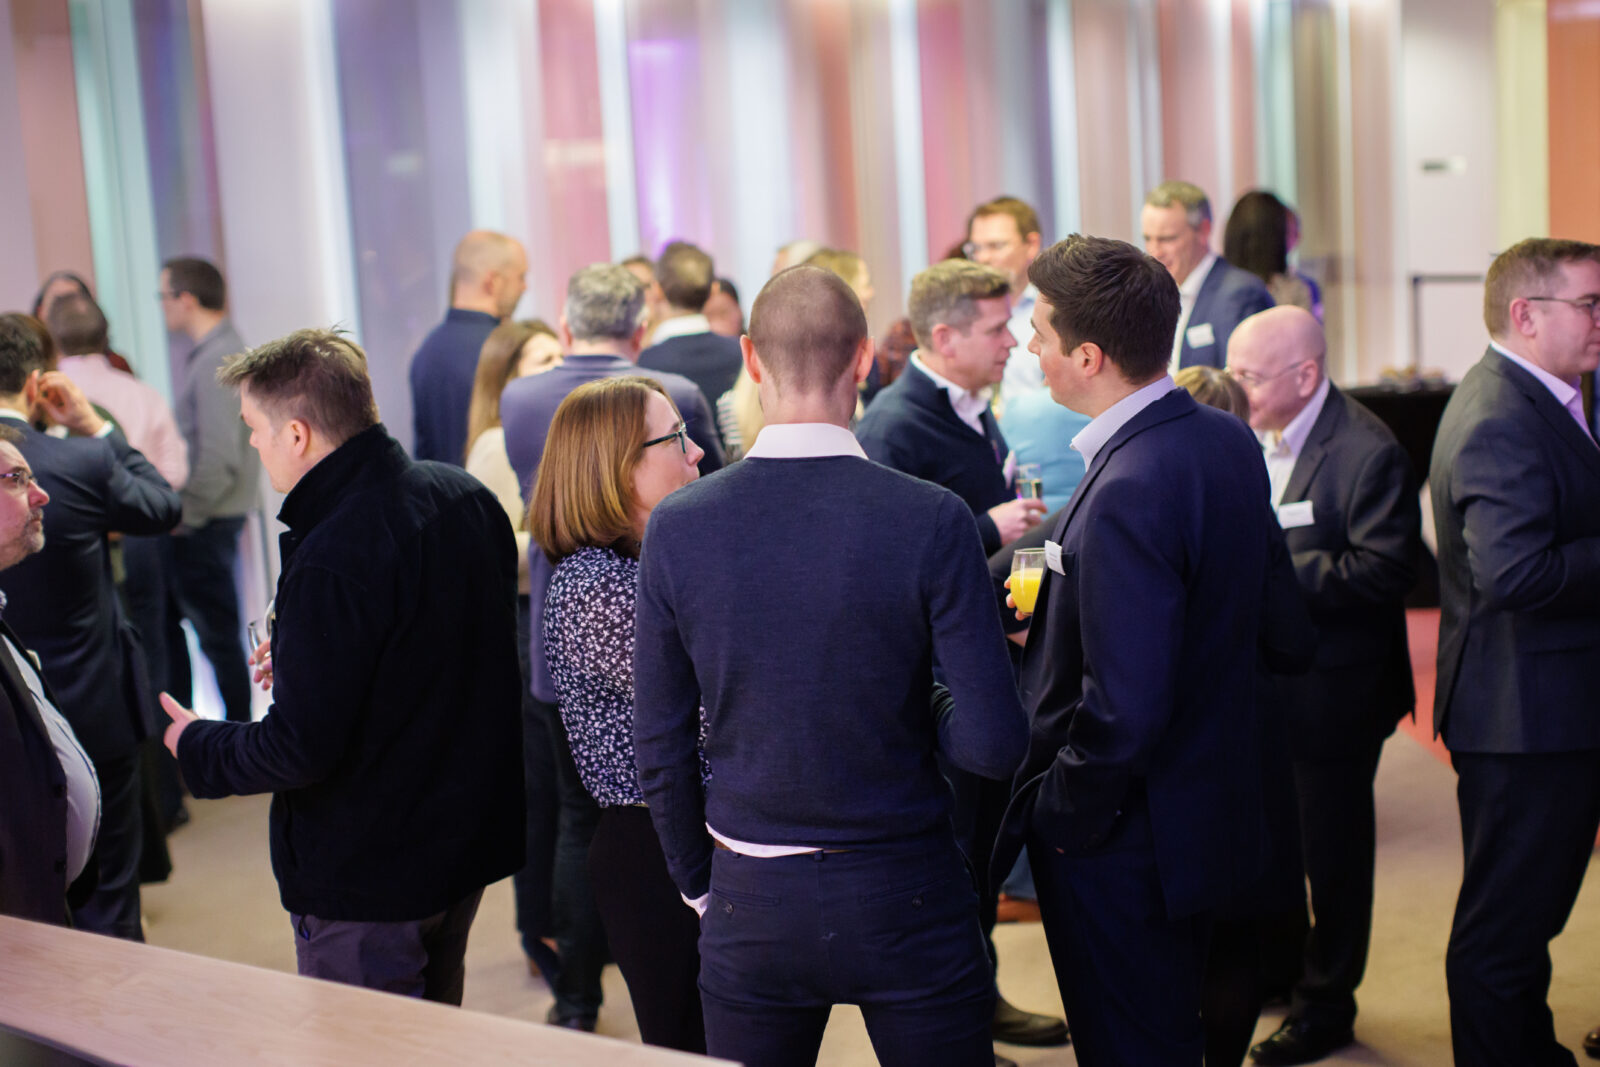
(105, 428)
(699, 903)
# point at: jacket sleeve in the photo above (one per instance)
(1382, 520)
(324, 652)
(1501, 482)
(138, 500)
(702, 426)
(215, 459)
(666, 724)
(1288, 638)
(986, 731)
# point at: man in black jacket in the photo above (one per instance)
(64, 603)
(1347, 502)
(393, 745)
(682, 342)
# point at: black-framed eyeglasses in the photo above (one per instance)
(1590, 304)
(21, 479)
(681, 433)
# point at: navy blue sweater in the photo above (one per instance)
(804, 601)
(441, 384)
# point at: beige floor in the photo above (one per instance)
(222, 902)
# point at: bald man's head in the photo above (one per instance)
(807, 327)
(1280, 357)
(489, 273)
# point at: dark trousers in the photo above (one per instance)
(978, 805)
(113, 907)
(1338, 840)
(1130, 977)
(423, 958)
(654, 936)
(204, 562)
(1528, 825)
(532, 883)
(1233, 990)
(891, 928)
(580, 935)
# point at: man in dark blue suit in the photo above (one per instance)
(1516, 503)
(63, 603)
(602, 326)
(683, 342)
(801, 597)
(1216, 296)
(1140, 666)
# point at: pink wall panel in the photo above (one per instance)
(574, 149)
(949, 130)
(1100, 53)
(1243, 111)
(1188, 99)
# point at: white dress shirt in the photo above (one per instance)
(1023, 374)
(1566, 394)
(1188, 293)
(83, 785)
(680, 326)
(1092, 438)
(969, 406)
(1282, 450)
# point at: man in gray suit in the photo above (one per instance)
(223, 473)
(1516, 503)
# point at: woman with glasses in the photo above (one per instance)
(616, 448)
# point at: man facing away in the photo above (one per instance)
(393, 746)
(1347, 501)
(820, 853)
(223, 474)
(49, 795)
(1003, 233)
(1515, 480)
(683, 342)
(488, 275)
(1216, 296)
(1140, 667)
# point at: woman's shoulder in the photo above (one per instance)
(590, 566)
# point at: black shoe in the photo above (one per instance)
(571, 1022)
(1017, 1027)
(1591, 1043)
(1300, 1041)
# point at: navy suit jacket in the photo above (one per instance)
(1227, 297)
(33, 803)
(1140, 670)
(1516, 504)
(1355, 563)
(912, 428)
(709, 360)
(441, 376)
(62, 600)
(526, 408)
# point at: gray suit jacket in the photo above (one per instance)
(1516, 503)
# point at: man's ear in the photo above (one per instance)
(752, 363)
(940, 336)
(564, 333)
(865, 352)
(30, 388)
(299, 436)
(1094, 358)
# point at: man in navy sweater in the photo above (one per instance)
(801, 597)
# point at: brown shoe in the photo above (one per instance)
(1591, 1043)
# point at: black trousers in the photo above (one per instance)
(1338, 840)
(425, 958)
(654, 936)
(532, 884)
(204, 561)
(580, 935)
(1528, 825)
(113, 907)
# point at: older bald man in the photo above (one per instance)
(1347, 499)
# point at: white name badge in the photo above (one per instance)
(1201, 336)
(1296, 514)
(1052, 557)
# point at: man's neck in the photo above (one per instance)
(202, 323)
(1116, 394)
(1523, 351)
(936, 363)
(475, 302)
(17, 403)
(808, 407)
(671, 312)
(600, 348)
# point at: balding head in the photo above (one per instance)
(807, 328)
(1280, 357)
(488, 273)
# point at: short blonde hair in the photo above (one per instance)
(1196, 205)
(583, 495)
(1215, 388)
(498, 361)
(949, 292)
(1528, 268)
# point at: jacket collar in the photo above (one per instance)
(1546, 405)
(1329, 421)
(370, 454)
(1173, 405)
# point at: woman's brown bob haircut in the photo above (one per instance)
(583, 496)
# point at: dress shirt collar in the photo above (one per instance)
(96, 360)
(1563, 391)
(680, 326)
(13, 413)
(1197, 277)
(804, 440)
(1292, 440)
(1023, 304)
(969, 406)
(1104, 426)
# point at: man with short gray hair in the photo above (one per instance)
(602, 328)
(1216, 296)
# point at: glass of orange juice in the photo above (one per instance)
(1027, 571)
